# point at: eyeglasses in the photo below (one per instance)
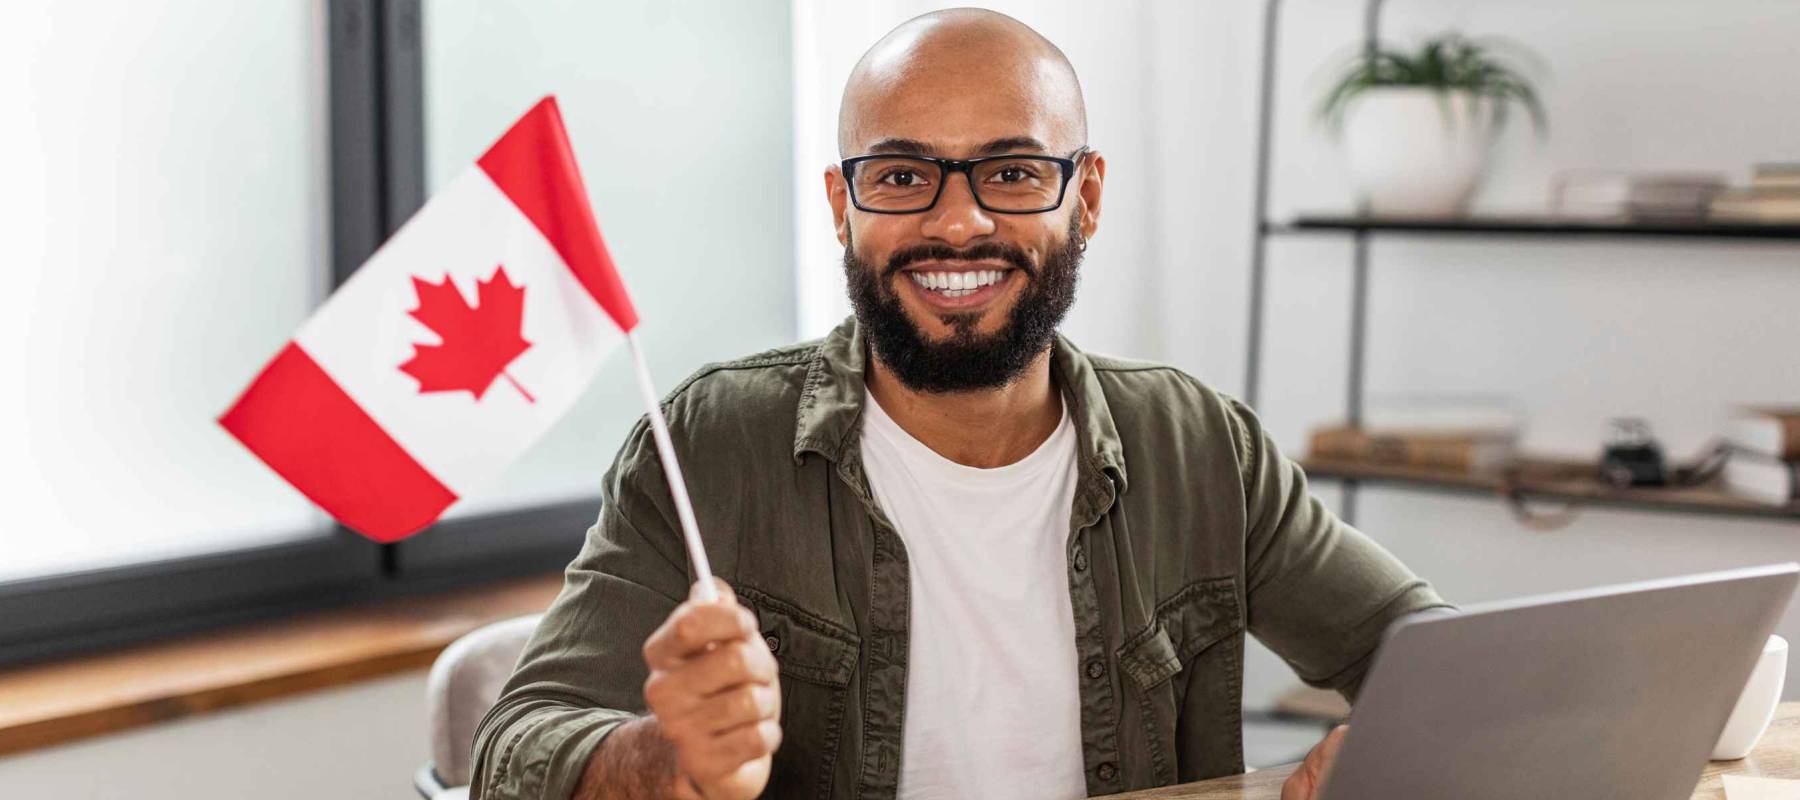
(1006, 184)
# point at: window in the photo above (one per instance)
(203, 175)
(661, 107)
(166, 239)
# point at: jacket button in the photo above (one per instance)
(773, 641)
(1080, 559)
(1096, 669)
(1106, 771)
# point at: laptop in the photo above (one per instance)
(1613, 692)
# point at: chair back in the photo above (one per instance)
(465, 681)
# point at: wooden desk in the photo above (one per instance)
(1777, 755)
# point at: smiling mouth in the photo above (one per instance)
(952, 285)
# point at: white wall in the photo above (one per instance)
(1576, 331)
(355, 743)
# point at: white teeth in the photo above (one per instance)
(958, 284)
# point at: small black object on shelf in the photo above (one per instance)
(1632, 456)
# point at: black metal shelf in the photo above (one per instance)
(1547, 479)
(1523, 225)
(1361, 228)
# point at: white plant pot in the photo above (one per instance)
(1415, 151)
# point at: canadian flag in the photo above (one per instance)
(465, 337)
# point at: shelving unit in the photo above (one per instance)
(1536, 478)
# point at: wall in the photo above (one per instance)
(356, 743)
(1575, 331)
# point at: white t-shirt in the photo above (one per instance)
(993, 709)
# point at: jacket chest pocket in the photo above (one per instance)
(1192, 643)
(1184, 628)
(818, 661)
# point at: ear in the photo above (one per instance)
(1088, 188)
(838, 194)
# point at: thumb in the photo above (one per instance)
(726, 595)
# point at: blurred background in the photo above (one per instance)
(189, 179)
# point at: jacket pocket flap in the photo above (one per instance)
(1149, 658)
(1200, 615)
(807, 647)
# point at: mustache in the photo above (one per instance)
(987, 251)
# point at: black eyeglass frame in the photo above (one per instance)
(966, 166)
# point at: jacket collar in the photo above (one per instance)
(831, 402)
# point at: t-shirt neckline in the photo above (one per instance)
(880, 423)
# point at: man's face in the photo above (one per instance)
(957, 297)
(1020, 310)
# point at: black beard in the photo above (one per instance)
(968, 360)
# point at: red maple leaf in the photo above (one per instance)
(477, 343)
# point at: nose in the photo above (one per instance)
(957, 219)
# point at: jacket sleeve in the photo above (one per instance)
(1319, 592)
(582, 674)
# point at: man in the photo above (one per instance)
(961, 558)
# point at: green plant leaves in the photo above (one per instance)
(1448, 62)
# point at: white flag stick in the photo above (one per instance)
(684, 508)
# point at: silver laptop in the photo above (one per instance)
(1612, 692)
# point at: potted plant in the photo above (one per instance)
(1417, 128)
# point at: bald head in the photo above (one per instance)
(960, 79)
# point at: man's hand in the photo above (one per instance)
(714, 689)
(1305, 782)
(715, 704)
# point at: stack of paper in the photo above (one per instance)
(1744, 787)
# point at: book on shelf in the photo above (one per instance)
(1602, 194)
(1772, 431)
(1756, 205)
(1761, 477)
(1776, 176)
(1473, 451)
(1773, 196)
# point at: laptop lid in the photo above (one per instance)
(1612, 692)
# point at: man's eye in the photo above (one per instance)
(1014, 173)
(904, 178)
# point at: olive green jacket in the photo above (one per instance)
(1188, 530)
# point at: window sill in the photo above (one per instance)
(63, 701)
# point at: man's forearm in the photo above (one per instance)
(634, 762)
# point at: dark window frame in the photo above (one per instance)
(376, 105)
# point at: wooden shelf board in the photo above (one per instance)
(1555, 480)
(1535, 226)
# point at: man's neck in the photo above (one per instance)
(985, 428)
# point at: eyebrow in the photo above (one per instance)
(914, 147)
